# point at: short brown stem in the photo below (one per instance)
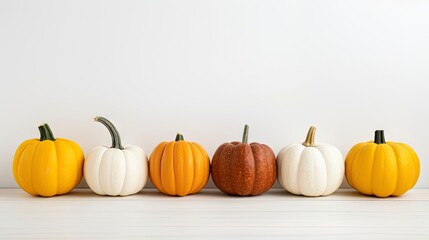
(309, 141)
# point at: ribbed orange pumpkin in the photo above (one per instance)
(179, 167)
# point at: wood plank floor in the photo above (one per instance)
(211, 214)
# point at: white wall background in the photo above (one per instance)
(205, 68)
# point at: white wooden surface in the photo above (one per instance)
(211, 214)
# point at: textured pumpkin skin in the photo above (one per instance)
(244, 169)
(179, 168)
(48, 168)
(383, 170)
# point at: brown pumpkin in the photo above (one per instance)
(239, 168)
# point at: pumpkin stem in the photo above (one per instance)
(245, 134)
(309, 141)
(46, 133)
(379, 137)
(179, 137)
(42, 133)
(116, 139)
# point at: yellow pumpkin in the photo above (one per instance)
(48, 166)
(382, 168)
(179, 167)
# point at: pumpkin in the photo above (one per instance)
(243, 169)
(310, 169)
(179, 167)
(382, 168)
(115, 170)
(47, 166)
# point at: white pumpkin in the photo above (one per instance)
(116, 171)
(310, 169)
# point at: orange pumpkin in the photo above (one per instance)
(179, 167)
(243, 169)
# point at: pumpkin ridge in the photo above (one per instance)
(416, 163)
(397, 167)
(58, 169)
(179, 168)
(228, 160)
(174, 162)
(16, 161)
(308, 150)
(125, 168)
(191, 188)
(247, 147)
(33, 168)
(292, 187)
(332, 152)
(206, 165)
(350, 158)
(372, 168)
(238, 177)
(199, 149)
(379, 193)
(29, 181)
(110, 172)
(161, 160)
(76, 149)
(99, 175)
(255, 166)
(326, 171)
(56, 160)
(408, 186)
(168, 160)
(187, 186)
(216, 162)
(272, 175)
(356, 164)
(155, 162)
(66, 143)
(297, 175)
(231, 177)
(267, 165)
(395, 147)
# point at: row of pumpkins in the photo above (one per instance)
(52, 166)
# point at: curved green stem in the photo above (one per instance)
(379, 137)
(46, 133)
(245, 134)
(179, 137)
(116, 139)
(309, 140)
(42, 131)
